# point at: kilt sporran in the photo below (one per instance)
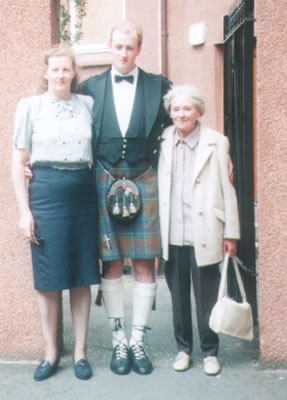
(123, 198)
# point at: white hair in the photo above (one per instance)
(188, 90)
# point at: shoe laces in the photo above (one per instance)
(144, 330)
(121, 351)
(138, 351)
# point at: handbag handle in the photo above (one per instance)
(223, 280)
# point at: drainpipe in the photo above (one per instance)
(164, 34)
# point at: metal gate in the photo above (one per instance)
(239, 45)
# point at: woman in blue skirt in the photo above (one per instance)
(58, 211)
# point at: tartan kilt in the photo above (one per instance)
(139, 238)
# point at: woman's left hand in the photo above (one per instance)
(229, 246)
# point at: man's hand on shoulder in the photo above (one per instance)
(230, 169)
(27, 171)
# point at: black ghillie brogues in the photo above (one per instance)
(120, 363)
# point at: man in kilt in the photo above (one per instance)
(128, 119)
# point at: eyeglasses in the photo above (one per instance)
(37, 240)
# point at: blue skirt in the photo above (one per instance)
(63, 204)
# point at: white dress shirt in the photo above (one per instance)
(124, 96)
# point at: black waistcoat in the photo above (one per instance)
(111, 145)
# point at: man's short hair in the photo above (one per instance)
(128, 27)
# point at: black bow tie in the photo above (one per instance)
(128, 78)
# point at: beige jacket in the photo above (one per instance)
(213, 199)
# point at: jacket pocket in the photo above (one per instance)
(220, 214)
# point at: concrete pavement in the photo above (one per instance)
(242, 376)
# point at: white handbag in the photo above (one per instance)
(228, 316)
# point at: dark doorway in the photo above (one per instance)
(239, 47)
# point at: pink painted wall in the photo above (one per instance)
(146, 14)
(201, 66)
(271, 33)
(25, 30)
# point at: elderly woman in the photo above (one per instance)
(58, 213)
(198, 218)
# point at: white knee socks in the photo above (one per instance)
(143, 298)
(112, 292)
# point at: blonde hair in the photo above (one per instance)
(127, 28)
(59, 50)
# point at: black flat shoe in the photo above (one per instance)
(120, 363)
(139, 360)
(83, 369)
(45, 370)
